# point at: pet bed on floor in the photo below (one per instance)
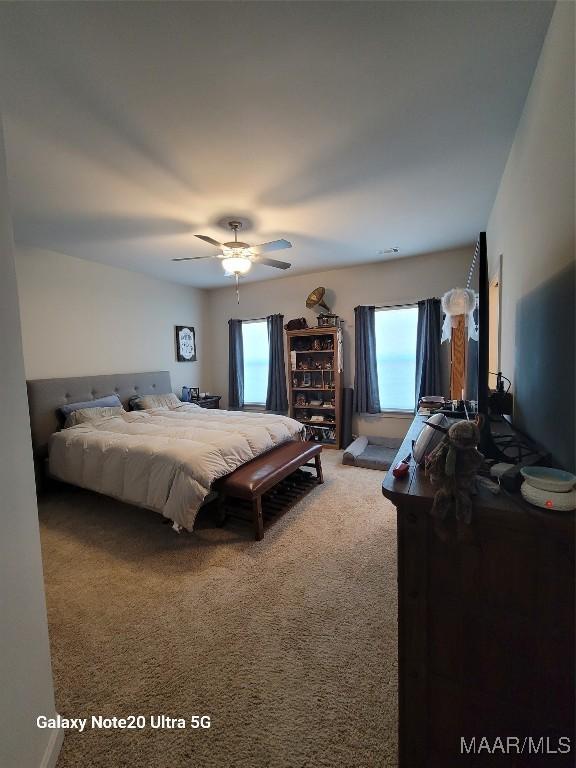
(372, 452)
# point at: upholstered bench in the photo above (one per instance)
(252, 480)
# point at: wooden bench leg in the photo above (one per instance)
(258, 522)
(318, 464)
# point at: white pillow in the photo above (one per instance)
(169, 400)
(92, 414)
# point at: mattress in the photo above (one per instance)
(162, 459)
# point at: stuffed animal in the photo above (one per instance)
(452, 467)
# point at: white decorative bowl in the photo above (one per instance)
(559, 502)
(548, 479)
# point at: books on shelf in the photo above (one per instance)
(315, 382)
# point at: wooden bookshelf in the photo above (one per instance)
(315, 376)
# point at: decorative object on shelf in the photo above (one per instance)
(185, 343)
(316, 298)
(189, 394)
(456, 302)
(452, 467)
(328, 321)
(237, 257)
(296, 325)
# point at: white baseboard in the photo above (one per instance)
(53, 747)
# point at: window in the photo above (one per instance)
(255, 342)
(396, 357)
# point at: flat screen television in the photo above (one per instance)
(477, 387)
(476, 382)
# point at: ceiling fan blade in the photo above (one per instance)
(275, 245)
(272, 263)
(192, 258)
(209, 240)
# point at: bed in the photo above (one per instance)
(161, 459)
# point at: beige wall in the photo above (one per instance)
(25, 671)
(532, 227)
(81, 318)
(395, 282)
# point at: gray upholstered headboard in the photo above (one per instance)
(45, 396)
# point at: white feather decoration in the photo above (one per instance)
(456, 302)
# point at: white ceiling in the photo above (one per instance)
(346, 127)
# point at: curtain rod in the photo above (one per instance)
(255, 319)
(397, 306)
(394, 306)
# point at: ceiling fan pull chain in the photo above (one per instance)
(237, 289)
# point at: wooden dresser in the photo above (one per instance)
(486, 627)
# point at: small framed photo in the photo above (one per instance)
(185, 344)
(194, 393)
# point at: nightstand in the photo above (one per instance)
(211, 401)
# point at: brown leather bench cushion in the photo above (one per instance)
(259, 475)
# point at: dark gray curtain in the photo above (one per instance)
(366, 398)
(428, 375)
(235, 365)
(276, 397)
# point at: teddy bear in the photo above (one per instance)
(452, 468)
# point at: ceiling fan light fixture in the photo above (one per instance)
(238, 251)
(236, 265)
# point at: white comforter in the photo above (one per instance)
(165, 460)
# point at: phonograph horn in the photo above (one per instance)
(316, 298)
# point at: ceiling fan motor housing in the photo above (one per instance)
(236, 244)
(235, 226)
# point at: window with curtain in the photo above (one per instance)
(256, 356)
(396, 333)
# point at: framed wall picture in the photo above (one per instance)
(185, 344)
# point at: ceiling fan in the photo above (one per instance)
(237, 257)
(237, 249)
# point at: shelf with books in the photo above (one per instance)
(315, 381)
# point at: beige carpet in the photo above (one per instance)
(289, 644)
